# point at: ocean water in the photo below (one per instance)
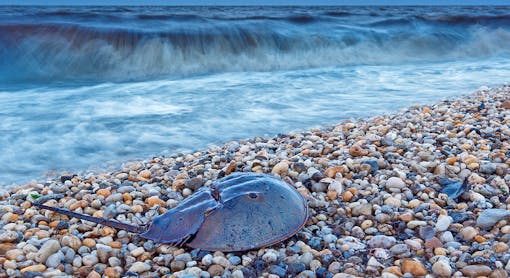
(89, 87)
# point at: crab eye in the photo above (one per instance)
(253, 195)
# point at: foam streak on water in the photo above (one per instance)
(86, 86)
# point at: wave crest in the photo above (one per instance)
(59, 52)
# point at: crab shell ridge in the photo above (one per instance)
(239, 212)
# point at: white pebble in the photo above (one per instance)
(443, 222)
(90, 260)
(139, 267)
(186, 192)
(269, 257)
(395, 184)
(207, 260)
(237, 274)
(49, 247)
(137, 252)
(221, 261)
(442, 268)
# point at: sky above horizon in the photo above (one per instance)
(253, 2)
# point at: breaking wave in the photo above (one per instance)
(124, 49)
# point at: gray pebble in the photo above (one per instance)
(125, 189)
(277, 270)
(487, 168)
(382, 241)
(45, 198)
(399, 249)
(319, 187)
(77, 262)
(113, 261)
(489, 217)
(9, 236)
(306, 258)
(54, 260)
(69, 255)
(185, 257)
(115, 197)
(103, 252)
(234, 260)
(90, 260)
(329, 238)
(307, 274)
(49, 247)
(83, 250)
(453, 244)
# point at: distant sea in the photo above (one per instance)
(89, 87)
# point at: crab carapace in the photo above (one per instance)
(239, 212)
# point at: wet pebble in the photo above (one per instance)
(413, 267)
(220, 260)
(48, 248)
(443, 222)
(54, 260)
(139, 267)
(489, 217)
(90, 260)
(476, 270)
(215, 270)
(277, 270)
(362, 209)
(295, 268)
(382, 241)
(234, 260)
(399, 249)
(395, 184)
(468, 233)
(177, 265)
(442, 268)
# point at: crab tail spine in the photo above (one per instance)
(114, 224)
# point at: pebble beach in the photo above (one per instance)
(423, 192)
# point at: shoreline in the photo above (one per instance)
(375, 188)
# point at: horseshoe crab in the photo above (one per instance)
(239, 212)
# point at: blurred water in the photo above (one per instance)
(67, 109)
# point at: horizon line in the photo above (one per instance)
(252, 5)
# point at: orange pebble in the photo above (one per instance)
(89, 242)
(451, 160)
(394, 270)
(98, 213)
(145, 174)
(332, 195)
(325, 252)
(104, 192)
(110, 272)
(127, 198)
(79, 204)
(357, 151)
(153, 200)
(107, 231)
(332, 171)
(54, 224)
(347, 196)
(42, 223)
(12, 217)
(115, 244)
(479, 239)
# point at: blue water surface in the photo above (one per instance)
(85, 87)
